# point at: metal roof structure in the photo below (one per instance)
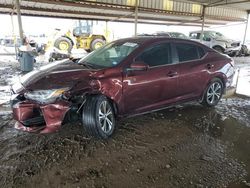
(234, 4)
(168, 12)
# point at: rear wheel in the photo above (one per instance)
(64, 44)
(98, 117)
(213, 93)
(96, 43)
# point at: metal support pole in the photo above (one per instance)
(203, 22)
(13, 33)
(106, 30)
(19, 20)
(245, 34)
(136, 16)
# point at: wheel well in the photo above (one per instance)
(217, 46)
(114, 105)
(223, 82)
(99, 37)
(217, 77)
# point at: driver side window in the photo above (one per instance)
(157, 55)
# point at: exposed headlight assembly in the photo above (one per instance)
(45, 96)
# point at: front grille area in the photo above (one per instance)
(235, 44)
(36, 121)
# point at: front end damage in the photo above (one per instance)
(39, 118)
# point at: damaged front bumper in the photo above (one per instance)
(40, 118)
(232, 50)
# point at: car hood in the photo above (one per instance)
(225, 39)
(53, 76)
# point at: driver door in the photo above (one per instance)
(149, 89)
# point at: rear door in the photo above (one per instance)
(192, 69)
(149, 89)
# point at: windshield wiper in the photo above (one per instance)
(88, 65)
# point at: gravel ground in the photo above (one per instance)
(184, 146)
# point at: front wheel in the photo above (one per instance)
(96, 43)
(213, 93)
(64, 44)
(98, 117)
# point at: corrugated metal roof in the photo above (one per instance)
(233, 4)
(150, 11)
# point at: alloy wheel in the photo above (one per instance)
(106, 117)
(63, 45)
(214, 93)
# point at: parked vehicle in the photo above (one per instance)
(245, 49)
(123, 78)
(217, 41)
(88, 35)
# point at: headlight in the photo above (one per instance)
(17, 87)
(45, 96)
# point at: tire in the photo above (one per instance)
(64, 44)
(233, 54)
(97, 121)
(96, 43)
(212, 95)
(218, 49)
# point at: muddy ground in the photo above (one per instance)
(184, 146)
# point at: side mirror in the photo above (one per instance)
(138, 66)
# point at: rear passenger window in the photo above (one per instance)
(157, 55)
(187, 52)
(201, 52)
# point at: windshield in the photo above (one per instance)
(178, 35)
(109, 55)
(216, 35)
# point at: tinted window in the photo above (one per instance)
(201, 52)
(194, 35)
(157, 55)
(187, 52)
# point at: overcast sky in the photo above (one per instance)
(37, 26)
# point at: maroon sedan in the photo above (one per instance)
(124, 78)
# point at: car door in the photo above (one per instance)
(149, 89)
(192, 70)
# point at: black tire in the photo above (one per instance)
(233, 54)
(218, 49)
(95, 42)
(64, 40)
(212, 96)
(92, 119)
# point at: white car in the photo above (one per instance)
(217, 41)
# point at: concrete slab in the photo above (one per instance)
(243, 83)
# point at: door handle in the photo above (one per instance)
(172, 74)
(209, 66)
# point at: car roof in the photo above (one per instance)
(206, 31)
(148, 39)
(145, 40)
